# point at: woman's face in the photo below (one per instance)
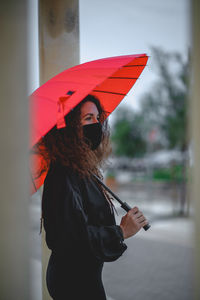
(89, 113)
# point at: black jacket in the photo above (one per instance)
(80, 230)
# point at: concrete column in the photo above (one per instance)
(58, 36)
(58, 50)
(14, 175)
(195, 127)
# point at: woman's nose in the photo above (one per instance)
(95, 120)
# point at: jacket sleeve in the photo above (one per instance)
(103, 242)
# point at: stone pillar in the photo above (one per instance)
(195, 126)
(58, 50)
(14, 175)
(58, 36)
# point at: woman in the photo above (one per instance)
(77, 212)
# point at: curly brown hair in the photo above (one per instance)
(67, 145)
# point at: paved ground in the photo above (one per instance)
(157, 264)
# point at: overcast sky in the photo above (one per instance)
(120, 27)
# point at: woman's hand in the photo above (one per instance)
(132, 222)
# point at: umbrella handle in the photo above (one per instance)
(124, 205)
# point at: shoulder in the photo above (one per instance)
(61, 175)
(57, 169)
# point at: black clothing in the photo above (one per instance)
(93, 134)
(81, 232)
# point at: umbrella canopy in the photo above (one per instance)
(109, 79)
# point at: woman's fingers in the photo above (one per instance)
(138, 215)
(140, 218)
(133, 211)
(143, 223)
(132, 222)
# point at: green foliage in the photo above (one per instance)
(126, 136)
(173, 173)
(162, 175)
(163, 109)
(165, 106)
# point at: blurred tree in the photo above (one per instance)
(165, 107)
(127, 134)
(163, 112)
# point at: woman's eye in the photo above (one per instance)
(90, 118)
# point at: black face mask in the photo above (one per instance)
(93, 134)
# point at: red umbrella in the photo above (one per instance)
(109, 79)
